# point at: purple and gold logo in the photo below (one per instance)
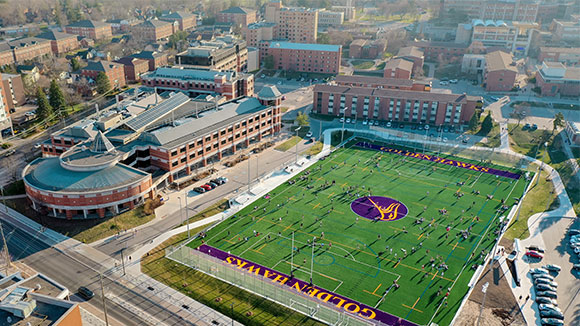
(379, 208)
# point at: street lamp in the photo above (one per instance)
(425, 140)
(484, 290)
(186, 215)
(343, 119)
(297, 144)
(180, 209)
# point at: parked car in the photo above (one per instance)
(365, 122)
(376, 122)
(206, 187)
(548, 294)
(534, 127)
(217, 182)
(576, 267)
(535, 248)
(542, 280)
(553, 268)
(551, 314)
(347, 120)
(224, 179)
(341, 120)
(9, 153)
(552, 322)
(30, 114)
(495, 98)
(389, 124)
(545, 287)
(546, 301)
(309, 134)
(85, 293)
(544, 306)
(212, 185)
(534, 254)
(199, 190)
(526, 126)
(37, 145)
(539, 270)
(453, 81)
(574, 232)
(546, 276)
(443, 83)
(402, 126)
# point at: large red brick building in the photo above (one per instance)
(134, 68)
(237, 16)
(185, 20)
(90, 28)
(398, 68)
(367, 49)
(155, 59)
(567, 56)
(197, 82)
(500, 72)
(88, 173)
(20, 50)
(379, 103)
(320, 58)
(442, 51)
(114, 71)
(298, 25)
(154, 30)
(60, 43)
(554, 78)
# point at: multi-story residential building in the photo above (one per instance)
(567, 56)
(573, 132)
(19, 31)
(330, 18)
(29, 48)
(237, 16)
(380, 82)
(513, 36)
(554, 78)
(154, 30)
(14, 90)
(349, 12)
(320, 58)
(6, 54)
(5, 120)
(155, 59)
(500, 72)
(60, 43)
(513, 10)
(220, 54)
(91, 29)
(442, 51)
(413, 54)
(134, 68)
(261, 31)
(473, 64)
(297, 25)
(196, 82)
(104, 173)
(253, 59)
(394, 105)
(398, 68)
(367, 49)
(185, 20)
(565, 30)
(114, 71)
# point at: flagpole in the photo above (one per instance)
(292, 258)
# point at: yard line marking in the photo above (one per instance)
(455, 246)
(437, 272)
(261, 253)
(287, 228)
(316, 205)
(226, 240)
(404, 305)
(376, 295)
(262, 247)
(344, 184)
(397, 264)
(375, 291)
(330, 195)
(419, 238)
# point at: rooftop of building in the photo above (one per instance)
(391, 93)
(156, 23)
(178, 15)
(55, 35)
(237, 10)
(269, 92)
(557, 70)
(103, 66)
(127, 61)
(499, 60)
(260, 25)
(574, 125)
(559, 50)
(354, 79)
(190, 74)
(23, 42)
(43, 312)
(410, 51)
(450, 44)
(305, 46)
(399, 63)
(88, 23)
(489, 22)
(147, 55)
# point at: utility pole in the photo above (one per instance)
(5, 250)
(292, 258)
(186, 215)
(343, 119)
(3, 199)
(484, 290)
(312, 262)
(297, 144)
(123, 260)
(249, 177)
(104, 300)
(180, 209)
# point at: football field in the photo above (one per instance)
(400, 233)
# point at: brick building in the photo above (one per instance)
(60, 43)
(567, 56)
(515, 10)
(29, 48)
(320, 58)
(398, 68)
(106, 173)
(442, 51)
(13, 88)
(114, 71)
(500, 72)
(394, 105)
(554, 78)
(5, 120)
(134, 68)
(298, 25)
(91, 29)
(185, 20)
(220, 54)
(154, 30)
(237, 16)
(381, 82)
(367, 49)
(155, 59)
(196, 82)
(262, 31)
(415, 55)
(565, 30)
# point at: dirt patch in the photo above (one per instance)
(501, 308)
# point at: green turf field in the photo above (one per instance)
(367, 255)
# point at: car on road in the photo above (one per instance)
(37, 145)
(552, 322)
(545, 287)
(553, 268)
(534, 254)
(547, 294)
(199, 190)
(85, 293)
(539, 270)
(546, 301)
(30, 114)
(535, 248)
(309, 134)
(453, 81)
(9, 153)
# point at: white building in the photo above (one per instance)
(330, 18)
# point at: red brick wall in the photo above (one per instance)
(500, 81)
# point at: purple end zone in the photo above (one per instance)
(440, 160)
(339, 302)
(379, 208)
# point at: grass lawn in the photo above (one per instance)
(314, 149)
(362, 64)
(380, 66)
(337, 138)
(218, 207)
(288, 144)
(426, 252)
(536, 201)
(493, 137)
(206, 290)
(125, 221)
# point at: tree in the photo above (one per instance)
(558, 121)
(44, 109)
(474, 122)
(176, 39)
(75, 65)
(57, 100)
(487, 124)
(103, 84)
(269, 62)
(519, 113)
(302, 119)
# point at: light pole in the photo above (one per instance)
(343, 119)
(186, 215)
(297, 144)
(180, 209)
(484, 290)
(542, 165)
(104, 299)
(425, 140)
(249, 172)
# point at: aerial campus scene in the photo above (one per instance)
(295, 162)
